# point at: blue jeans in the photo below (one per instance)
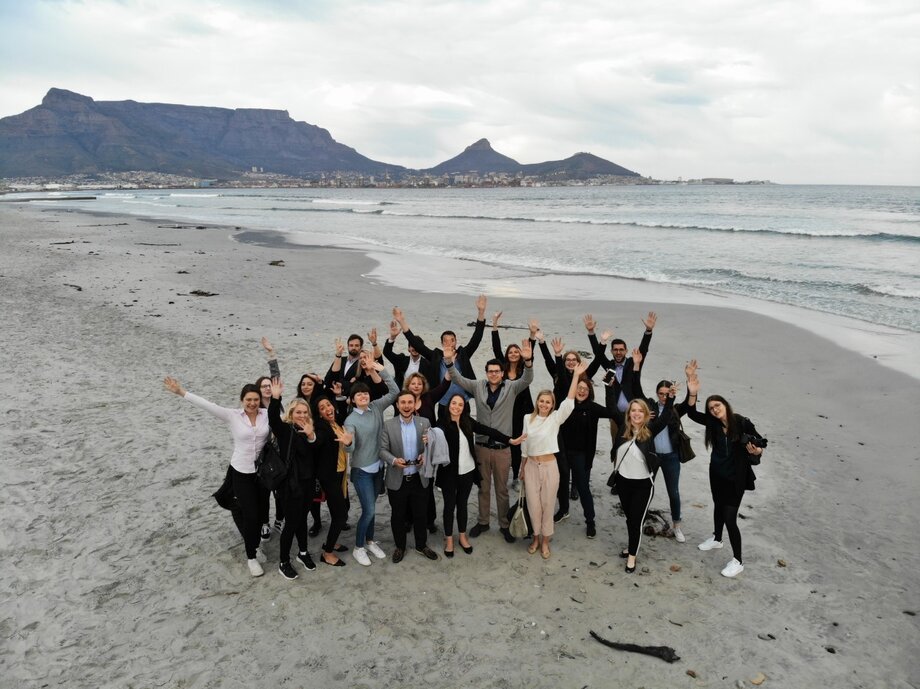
(581, 477)
(367, 486)
(670, 467)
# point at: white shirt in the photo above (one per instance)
(465, 461)
(631, 461)
(248, 440)
(543, 431)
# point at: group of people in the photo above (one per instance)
(337, 430)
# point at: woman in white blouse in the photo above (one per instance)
(635, 479)
(539, 470)
(249, 427)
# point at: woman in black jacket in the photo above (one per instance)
(456, 479)
(579, 443)
(294, 431)
(729, 437)
(635, 475)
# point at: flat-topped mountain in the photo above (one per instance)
(73, 134)
(70, 133)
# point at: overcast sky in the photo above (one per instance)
(799, 92)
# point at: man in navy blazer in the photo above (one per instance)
(402, 448)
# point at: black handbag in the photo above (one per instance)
(685, 449)
(224, 496)
(271, 468)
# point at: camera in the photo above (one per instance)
(753, 440)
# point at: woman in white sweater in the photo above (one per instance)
(539, 470)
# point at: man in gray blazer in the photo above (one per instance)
(402, 448)
(494, 407)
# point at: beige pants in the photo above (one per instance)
(494, 467)
(541, 483)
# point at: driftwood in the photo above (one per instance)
(666, 653)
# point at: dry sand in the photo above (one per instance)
(120, 571)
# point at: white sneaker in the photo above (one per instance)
(733, 569)
(260, 555)
(679, 535)
(255, 569)
(360, 554)
(710, 544)
(375, 550)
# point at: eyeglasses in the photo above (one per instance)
(571, 359)
(492, 371)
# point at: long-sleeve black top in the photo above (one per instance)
(729, 458)
(303, 452)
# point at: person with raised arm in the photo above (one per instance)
(264, 383)
(667, 445)
(404, 364)
(634, 462)
(456, 479)
(735, 446)
(299, 441)
(561, 370)
(579, 444)
(494, 407)
(513, 363)
(331, 466)
(539, 470)
(364, 425)
(619, 378)
(462, 353)
(248, 426)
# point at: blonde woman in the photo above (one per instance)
(539, 470)
(295, 430)
(632, 450)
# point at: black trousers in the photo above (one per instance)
(635, 497)
(296, 503)
(410, 492)
(335, 501)
(246, 488)
(565, 471)
(726, 501)
(431, 513)
(457, 499)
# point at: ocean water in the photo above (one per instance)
(847, 250)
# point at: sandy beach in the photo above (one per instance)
(121, 571)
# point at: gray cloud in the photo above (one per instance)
(795, 92)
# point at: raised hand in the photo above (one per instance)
(173, 386)
(343, 436)
(372, 337)
(672, 393)
(337, 388)
(449, 354)
(605, 336)
(580, 368)
(534, 326)
(558, 345)
(394, 330)
(693, 384)
(374, 365)
(496, 317)
(307, 427)
(399, 317)
(637, 358)
(590, 323)
(538, 336)
(690, 368)
(650, 320)
(481, 302)
(339, 346)
(266, 345)
(526, 349)
(277, 388)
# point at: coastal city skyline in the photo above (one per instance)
(795, 94)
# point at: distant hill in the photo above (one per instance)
(481, 158)
(70, 133)
(579, 166)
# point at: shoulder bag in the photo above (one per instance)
(271, 467)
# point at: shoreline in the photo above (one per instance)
(117, 542)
